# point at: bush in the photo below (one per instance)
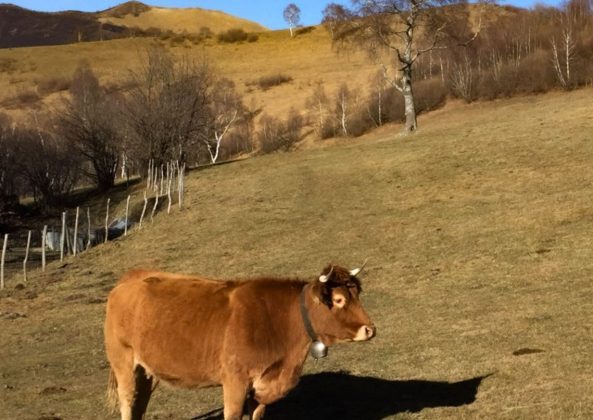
(205, 32)
(429, 95)
(394, 110)
(535, 73)
(7, 65)
(277, 135)
(53, 84)
(232, 35)
(267, 82)
(27, 96)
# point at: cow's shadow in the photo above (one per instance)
(339, 395)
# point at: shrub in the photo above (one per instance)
(429, 95)
(7, 65)
(267, 82)
(305, 30)
(535, 74)
(277, 135)
(232, 35)
(53, 84)
(26, 97)
(205, 32)
(394, 110)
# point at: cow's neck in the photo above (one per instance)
(318, 349)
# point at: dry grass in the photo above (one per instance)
(307, 58)
(189, 20)
(480, 239)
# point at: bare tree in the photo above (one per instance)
(343, 107)
(404, 28)
(168, 107)
(564, 49)
(377, 100)
(333, 14)
(47, 165)
(318, 105)
(8, 164)
(90, 121)
(292, 16)
(275, 134)
(227, 110)
(462, 78)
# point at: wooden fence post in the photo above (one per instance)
(44, 235)
(181, 185)
(88, 217)
(63, 237)
(26, 257)
(143, 209)
(2, 261)
(127, 208)
(169, 180)
(156, 202)
(75, 244)
(107, 220)
(149, 175)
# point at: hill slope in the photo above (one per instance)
(21, 27)
(308, 59)
(479, 233)
(190, 20)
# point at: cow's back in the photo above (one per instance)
(174, 324)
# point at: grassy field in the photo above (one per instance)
(308, 59)
(480, 239)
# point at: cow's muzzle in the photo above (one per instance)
(366, 332)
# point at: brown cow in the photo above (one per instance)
(251, 337)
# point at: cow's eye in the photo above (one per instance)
(339, 301)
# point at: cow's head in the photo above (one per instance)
(336, 312)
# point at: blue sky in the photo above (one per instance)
(265, 12)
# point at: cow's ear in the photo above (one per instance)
(323, 293)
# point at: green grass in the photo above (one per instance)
(480, 239)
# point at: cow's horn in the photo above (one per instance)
(325, 277)
(356, 271)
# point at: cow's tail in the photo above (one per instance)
(112, 398)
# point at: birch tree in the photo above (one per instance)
(318, 105)
(398, 31)
(292, 16)
(564, 48)
(227, 110)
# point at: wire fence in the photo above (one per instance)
(25, 250)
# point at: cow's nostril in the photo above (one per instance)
(370, 331)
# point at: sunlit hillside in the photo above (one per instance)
(479, 234)
(190, 20)
(308, 58)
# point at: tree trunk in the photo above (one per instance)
(409, 106)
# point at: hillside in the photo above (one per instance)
(20, 27)
(480, 242)
(190, 20)
(308, 59)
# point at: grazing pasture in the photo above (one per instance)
(479, 231)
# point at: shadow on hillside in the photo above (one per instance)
(339, 395)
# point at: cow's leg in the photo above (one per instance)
(256, 410)
(234, 395)
(143, 390)
(123, 369)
